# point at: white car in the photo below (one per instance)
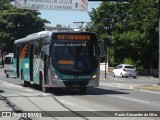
(125, 70)
(8, 64)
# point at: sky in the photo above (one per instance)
(67, 17)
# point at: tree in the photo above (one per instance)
(132, 28)
(144, 19)
(17, 23)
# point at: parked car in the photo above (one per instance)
(8, 64)
(125, 70)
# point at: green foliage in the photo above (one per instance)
(132, 29)
(128, 61)
(17, 23)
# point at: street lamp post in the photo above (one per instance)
(158, 6)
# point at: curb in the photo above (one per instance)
(154, 88)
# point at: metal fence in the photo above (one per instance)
(148, 72)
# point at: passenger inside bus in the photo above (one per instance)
(80, 60)
(83, 58)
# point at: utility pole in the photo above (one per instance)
(159, 52)
(158, 6)
(106, 55)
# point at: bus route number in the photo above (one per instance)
(73, 37)
(61, 37)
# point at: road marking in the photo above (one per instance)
(118, 80)
(118, 85)
(133, 99)
(149, 91)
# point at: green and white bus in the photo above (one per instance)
(58, 59)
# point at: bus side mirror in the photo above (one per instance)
(46, 49)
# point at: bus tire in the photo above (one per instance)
(44, 87)
(23, 82)
(83, 89)
(7, 75)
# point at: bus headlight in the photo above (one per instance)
(94, 76)
(55, 76)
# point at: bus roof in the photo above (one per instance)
(45, 34)
(34, 36)
(9, 55)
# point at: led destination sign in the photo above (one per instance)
(73, 37)
(66, 62)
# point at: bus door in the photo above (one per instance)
(46, 63)
(31, 62)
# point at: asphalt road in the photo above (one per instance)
(113, 94)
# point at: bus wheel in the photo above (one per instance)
(83, 89)
(7, 75)
(44, 87)
(23, 82)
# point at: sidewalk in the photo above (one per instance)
(4, 103)
(6, 109)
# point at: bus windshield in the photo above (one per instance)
(8, 60)
(75, 57)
